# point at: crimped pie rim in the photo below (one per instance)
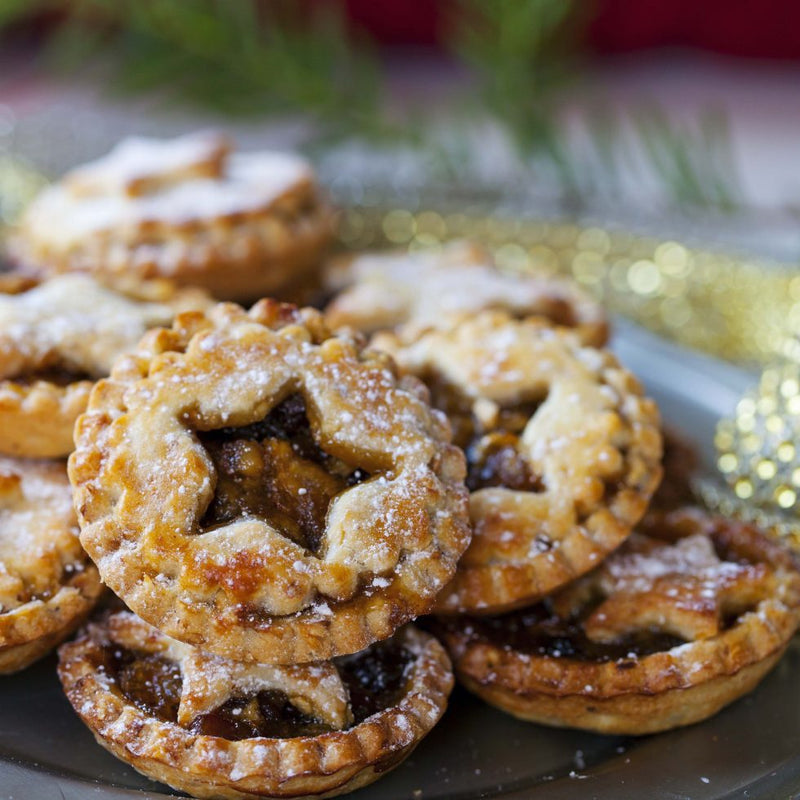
(492, 588)
(110, 716)
(298, 638)
(758, 635)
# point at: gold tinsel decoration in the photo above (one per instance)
(19, 182)
(737, 309)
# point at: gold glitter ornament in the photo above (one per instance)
(757, 452)
(718, 497)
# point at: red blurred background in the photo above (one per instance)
(748, 28)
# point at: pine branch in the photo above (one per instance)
(524, 54)
(245, 57)
(235, 56)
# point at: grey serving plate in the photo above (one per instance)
(751, 749)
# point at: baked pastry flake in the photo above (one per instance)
(379, 291)
(220, 729)
(47, 584)
(562, 449)
(680, 622)
(256, 487)
(242, 225)
(57, 338)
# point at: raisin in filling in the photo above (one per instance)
(150, 682)
(269, 713)
(30, 595)
(538, 631)
(153, 684)
(274, 470)
(376, 679)
(494, 460)
(492, 450)
(561, 312)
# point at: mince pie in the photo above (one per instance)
(562, 451)
(57, 338)
(679, 622)
(242, 225)
(428, 289)
(253, 485)
(220, 729)
(47, 584)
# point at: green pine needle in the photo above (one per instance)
(251, 58)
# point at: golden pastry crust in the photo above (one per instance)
(57, 337)
(352, 754)
(47, 584)
(691, 616)
(36, 419)
(365, 511)
(379, 291)
(563, 452)
(242, 225)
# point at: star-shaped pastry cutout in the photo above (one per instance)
(683, 589)
(208, 681)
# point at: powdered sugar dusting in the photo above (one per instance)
(382, 527)
(72, 316)
(38, 530)
(691, 556)
(246, 182)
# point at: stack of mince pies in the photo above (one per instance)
(276, 493)
(275, 503)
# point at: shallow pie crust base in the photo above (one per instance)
(636, 713)
(38, 548)
(31, 631)
(300, 767)
(36, 420)
(233, 259)
(650, 693)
